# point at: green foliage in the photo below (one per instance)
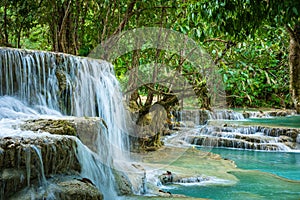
(36, 39)
(240, 19)
(18, 17)
(256, 72)
(245, 38)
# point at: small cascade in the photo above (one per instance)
(247, 137)
(96, 169)
(192, 118)
(224, 128)
(187, 118)
(257, 114)
(197, 179)
(26, 158)
(41, 177)
(225, 115)
(35, 84)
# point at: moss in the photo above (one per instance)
(63, 127)
(59, 127)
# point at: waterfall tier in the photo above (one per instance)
(192, 118)
(38, 85)
(68, 84)
(246, 137)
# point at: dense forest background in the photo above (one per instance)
(253, 43)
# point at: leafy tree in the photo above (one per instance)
(255, 72)
(18, 18)
(240, 19)
(233, 32)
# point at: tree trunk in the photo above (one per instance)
(5, 23)
(294, 62)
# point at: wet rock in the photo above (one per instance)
(21, 165)
(63, 188)
(171, 178)
(246, 114)
(167, 177)
(284, 138)
(124, 186)
(12, 180)
(77, 190)
(86, 129)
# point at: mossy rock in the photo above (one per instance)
(58, 126)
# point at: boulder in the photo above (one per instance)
(63, 188)
(124, 186)
(24, 160)
(57, 126)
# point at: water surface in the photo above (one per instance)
(288, 121)
(271, 175)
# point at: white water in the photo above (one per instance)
(255, 138)
(96, 170)
(47, 85)
(225, 115)
(219, 130)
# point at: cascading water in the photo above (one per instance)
(225, 114)
(35, 83)
(225, 128)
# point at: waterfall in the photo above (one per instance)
(245, 137)
(192, 118)
(61, 84)
(225, 115)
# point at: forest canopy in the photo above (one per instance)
(254, 44)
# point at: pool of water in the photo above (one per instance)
(284, 164)
(266, 175)
(289, 121)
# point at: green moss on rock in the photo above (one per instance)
(59, 126)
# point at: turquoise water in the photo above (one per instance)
(289, 121)
(271, 175)
(284, 164)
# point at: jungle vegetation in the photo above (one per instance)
(255, 44)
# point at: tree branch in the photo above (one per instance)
(128, 14)
(215, 39)
(289, 30)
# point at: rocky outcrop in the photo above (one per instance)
(124, 186)
(77, 190)
(86, 129)
(47, 150)
(58, 126)
(25, 160)
(171, 178)
(63, 188)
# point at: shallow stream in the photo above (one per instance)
(263, 175)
